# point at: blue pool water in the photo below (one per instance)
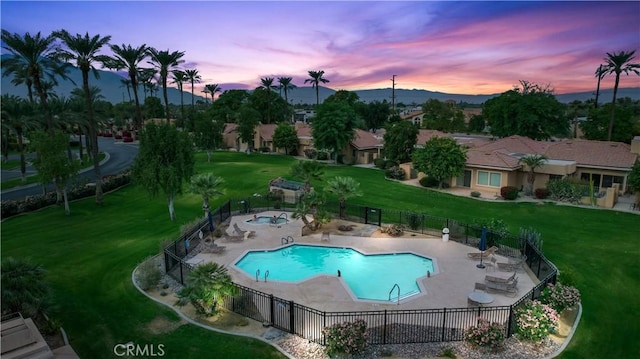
(368, 276)
(265, 220)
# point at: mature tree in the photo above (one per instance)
(285, 136)
(165, 62)
(315, 78)
(18, 118)
(208, 186)
(270, 105)
(194, 77)
(596, 126)
(78, 119)
(24, 288)
(618, 63)
(21, 76)
(206, 288)
(306, 171)
(375, 114)
(600, 73)
(442, 116)
(179, 77)
(207, 134)
(83, 52)
(286, 86)
(146, 78)
(266, 83)
(32, 56)
(212, 88)
(532, 162)
(228, 105)
(128, 58)
(333, 126)
(153, 108)
(531, 111)
(53, 162)
(477, 123)
(400, 140)
(164, 162)
(248, 119)
(441, 158)
(576, 109)
(633, 181)
(343, 96)
(343, 188)
(126, 83)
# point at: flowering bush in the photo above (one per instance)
(395, 172)
(560, 297)
(485, 334)
(346, 337)
(535, 321)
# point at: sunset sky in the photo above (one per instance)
(454, 47)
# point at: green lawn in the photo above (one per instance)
(90, 256)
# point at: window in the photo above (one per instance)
(491, 179)
(608, 181)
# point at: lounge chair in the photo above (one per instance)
(510, 288)
(242, 232)
(214, 249)
(499, 279)
(512, 267)
(485, 254)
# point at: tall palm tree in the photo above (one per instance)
(179, 77)
(212, 89)
(532, 162)
(618, 63)
(344, 188)
(129, 58)
(267, 83)
(600, 72)
(18, 117)
(83, 50)
(206, 95)
(208, 186)
(32, 56)
(146, 77)
(316, 77)
(193, 77)
(286, 86)
(127, 83)
(21, 76)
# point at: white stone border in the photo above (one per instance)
(191, 321)
(567, 340)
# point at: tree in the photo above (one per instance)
(600, 73)
(207, 134)
(286, 86)
(207, 286)
(531, 111)
(128, 58)
(165, 62)
(165, 160)
(334, 126)
(194, 77)
(18, 117)
(633, 181)
(127, 83)
(532, 162)
(376, 114)
(24, 289)
(343, 96)
(213, 88)
(21, 76)
(306, 171)
(597, 124)
(441, 158)
(83, 51)
(33, 57)
(316, 77)
(53, 162)
(146, 77)
(248, 119)
(179, 77)
(618, 63)
(285, 136)
(400, 140)
(228, 105)
(442, 116)
(477, 123)
(344, 188)
(310, 206)
(208, 186)
(153, 108)
(270, 106)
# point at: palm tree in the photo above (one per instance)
(206, 95)
(212, 89)
(129, 58)
(127, 83)
(532, 162)
(32, 56)
(193, 77)
(344, 188)
(207, 286)
(18, 116)
(600, 72)
(165, 61)
(618, 63)
(21, 76)
(267, 83)
(83, 50)
(24, 288)
(307, 170)
(286, 85)
(179, 77)
(315, 80)
(208, 186)
(145, 78)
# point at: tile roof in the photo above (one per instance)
(516, 144)
(593, 153)
(426, 135)
(266, 131)
(303, 130)
(497, 158)
(411, 115)
(229, 127)
(365, 139)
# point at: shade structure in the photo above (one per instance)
(482, 246)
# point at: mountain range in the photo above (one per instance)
(114, 91)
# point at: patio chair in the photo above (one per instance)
(242, 232)
(499, 279)
(509, 288)
(476, 255)
(512, 267)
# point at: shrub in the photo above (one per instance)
(509, 193)
(310, 153)
(560, 297)
(485, 334)
(395, 172)
(535, 321)
(346, 337)
(428, 181)
(475, 194)
(564, 190)
(323, 156)
(148, 274)
(541, 193)
(414, 220)
(264, 149)
(380, 163)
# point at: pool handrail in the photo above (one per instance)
(391, 291)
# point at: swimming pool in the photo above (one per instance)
(369, 277)
(266, 220)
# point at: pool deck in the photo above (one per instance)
(448, 288)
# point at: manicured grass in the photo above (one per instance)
(11, 165)
(90, 256)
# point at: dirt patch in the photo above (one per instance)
(161, 325)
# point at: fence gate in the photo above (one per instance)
(281, 314)
(373, 216)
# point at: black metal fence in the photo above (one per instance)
(383, 326)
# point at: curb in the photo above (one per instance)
(567, 340)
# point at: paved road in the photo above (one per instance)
(120, 156)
